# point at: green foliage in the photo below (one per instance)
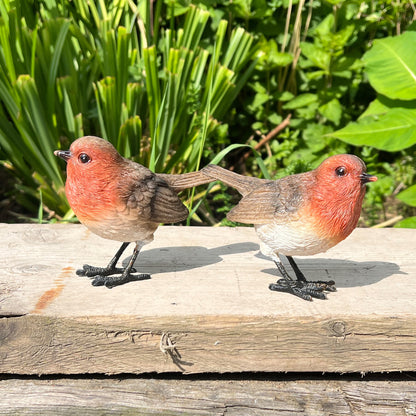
(310, 67)
(407, 223)
(156, 89)
(173, 84)
(186, 102)
(408, 196)
(394, 57)
(389, 123)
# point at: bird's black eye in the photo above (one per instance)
(341, 171)
(84, 158)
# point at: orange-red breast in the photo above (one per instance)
(301, 214)
(121, 200)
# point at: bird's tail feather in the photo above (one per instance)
(243, 184)
(186, 180)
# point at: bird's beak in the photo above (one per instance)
(63, 154)
(365, 177)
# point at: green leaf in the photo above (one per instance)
(317, 55)
(391, 66)
(302, 100)
(335, 1)
(407, 223)
(382, 105)
(249, 9)
(53, 69)
(332, 110)
(314, 136)
(259, 99)
(217, 159)
(408, 196)
(270, 58)
(392, 131)
(325, 27)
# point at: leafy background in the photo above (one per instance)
(266, 88)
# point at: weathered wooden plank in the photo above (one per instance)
(208, 297)
(112, 345)
(207, 397)
(201, 271)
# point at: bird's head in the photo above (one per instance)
(343, 173)
(338, 193)
(93, 172)
(89, 156)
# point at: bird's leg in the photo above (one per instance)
(91, 271)
(327, 285)
(299, 274)
(300, 287)
(126, 276)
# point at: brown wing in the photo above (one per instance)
(274, 201)
(166, 205)
(148, 197)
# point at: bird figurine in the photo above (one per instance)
(121, 200)
(302, 214)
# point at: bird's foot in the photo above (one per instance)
(111, 281)
(104, 276)
(92, 271)
(304, 289)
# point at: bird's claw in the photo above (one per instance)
(103, 276)
(92, 271)
(329, 285)
(304, 289)
(111, 281)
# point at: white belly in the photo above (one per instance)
(290, 241)
(114, 229)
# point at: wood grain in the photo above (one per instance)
(114, 345)
(207, 307)
(207, 397)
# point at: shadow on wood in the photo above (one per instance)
(345, 273)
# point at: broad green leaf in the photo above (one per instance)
(408, 196)
(384, 104)
(391, 66)
(407, 223)
(392, 131)
(375, 108)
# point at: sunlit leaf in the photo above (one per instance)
(408, 196)
(407, 223)
(393, 131)
(391, 66)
